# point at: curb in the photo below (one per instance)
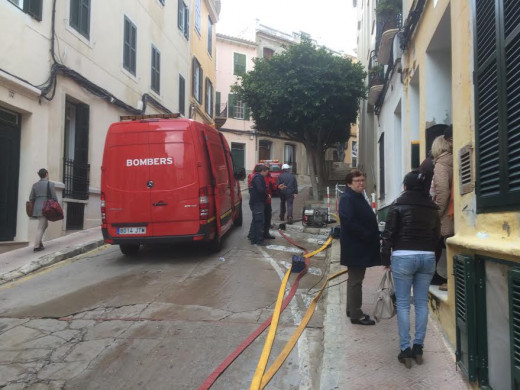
(50, 259)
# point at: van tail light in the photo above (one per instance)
(203, 203)
(103, 209)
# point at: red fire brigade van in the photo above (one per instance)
(165, 179)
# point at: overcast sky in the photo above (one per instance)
(330, 22)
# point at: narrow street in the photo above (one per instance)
(162, 320)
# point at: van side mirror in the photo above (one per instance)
(240, 174)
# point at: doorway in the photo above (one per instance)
(9, 172)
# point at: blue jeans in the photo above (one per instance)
(417, 271)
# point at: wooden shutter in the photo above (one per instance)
(33, 8)
(231, 105)
(180, 15)
(182, 93)
(514, 323)
(217, 104)
(464, 277)
(239, 64)
(512, 76)
(497, 92)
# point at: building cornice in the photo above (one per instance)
(231, 39)
(213, 9)
(18, 85)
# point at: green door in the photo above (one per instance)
(238, 153)
(9, 171)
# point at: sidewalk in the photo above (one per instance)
(19, 262)
(365, 357)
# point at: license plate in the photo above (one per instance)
(131, 230)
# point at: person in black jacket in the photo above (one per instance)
(411, 235)
(359, 243)
(257, 198)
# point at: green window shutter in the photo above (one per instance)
(231, 105)
(497, 92)
(239, 64)
(33, 8)
(514, 323)
(217, 104)
(465, 318)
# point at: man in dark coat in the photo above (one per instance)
(257, 199)
(359, 243)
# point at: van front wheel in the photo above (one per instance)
(129, 249)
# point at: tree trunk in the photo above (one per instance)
(312, 172)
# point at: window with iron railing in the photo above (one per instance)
(76, 177)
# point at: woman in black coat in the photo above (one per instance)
(359, 243)
(411, 235)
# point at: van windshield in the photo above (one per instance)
(274, 168)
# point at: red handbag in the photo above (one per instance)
(52, 209)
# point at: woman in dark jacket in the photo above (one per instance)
(411, 235)
(359, 243)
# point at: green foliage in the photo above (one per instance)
(389, 7)
(305, 93)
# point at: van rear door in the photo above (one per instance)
(125, 178)
(222, 185)
(175, 191)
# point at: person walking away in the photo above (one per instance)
(38, 196)
(411, 234)
(359, 241)
(288, 187)
(257, 199)
(270, 187)
(442, 196)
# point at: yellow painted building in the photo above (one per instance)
(461, 64)
(203, 19)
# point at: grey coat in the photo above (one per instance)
(39, 195)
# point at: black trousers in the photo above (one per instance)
(256, 230)
(355, 291)
(268, 213)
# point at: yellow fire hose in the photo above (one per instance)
(260, 380)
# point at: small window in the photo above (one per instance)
(31, 7)
(183, 19)
(197, 81)
(80, 16)
(209, 98)
(268, 53)
(198, 18)
(129, 48)
(239, 64)
(182, 94)
(354, 154)
(156, 70)
(210, 37)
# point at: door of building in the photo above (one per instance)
(238, 153)
(9, 171)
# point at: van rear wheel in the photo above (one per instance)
(215, 245)
(238, 222)
(129, 249)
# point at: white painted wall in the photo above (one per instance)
(99, 58)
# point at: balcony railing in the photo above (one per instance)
(221, 110)
(76, 177)
(387, 21)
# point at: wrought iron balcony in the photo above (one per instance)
(76, 177)
(221, 111)
(376, 80)
(388, 24)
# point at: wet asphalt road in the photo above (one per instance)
(162, 320)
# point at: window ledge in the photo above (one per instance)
(441, 295)
(488, 244)
(78, 35)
